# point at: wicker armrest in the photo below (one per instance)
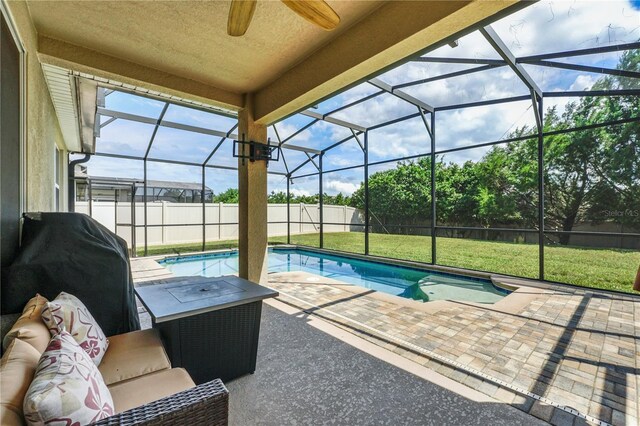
(205, 404)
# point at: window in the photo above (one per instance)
(11, 140)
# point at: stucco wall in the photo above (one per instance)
(43, 131)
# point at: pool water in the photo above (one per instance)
(411, 283)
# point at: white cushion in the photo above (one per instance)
(67, 388)
(67, 312)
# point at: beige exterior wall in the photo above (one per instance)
(42, 129)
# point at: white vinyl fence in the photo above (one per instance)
(179, 223)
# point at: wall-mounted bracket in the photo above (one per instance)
(255, 151)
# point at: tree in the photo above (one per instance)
(593, 175)
(590, 176)
(277, 197)
(616, 192)
(230, 196)
(336, 200)
(399, 196)
(508, 184)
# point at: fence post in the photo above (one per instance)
(220, 221)
(344, 221)
(164, 222)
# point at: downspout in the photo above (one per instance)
(72, 180)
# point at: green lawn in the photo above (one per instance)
(609, 269)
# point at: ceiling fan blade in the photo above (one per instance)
(240, 14)
(318, 12)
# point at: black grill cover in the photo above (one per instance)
(72, 252)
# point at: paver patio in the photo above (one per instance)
(571, 347)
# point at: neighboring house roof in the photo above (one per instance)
(173, 185)
(104, 181)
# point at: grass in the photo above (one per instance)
(609, 269)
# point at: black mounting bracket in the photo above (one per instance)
(257, 151)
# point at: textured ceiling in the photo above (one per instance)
(189, 39)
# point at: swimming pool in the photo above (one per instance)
(411, 283)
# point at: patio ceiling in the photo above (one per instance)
(181, 48)
(189, 38)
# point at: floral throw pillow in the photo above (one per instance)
(67, 312)
(67, 388)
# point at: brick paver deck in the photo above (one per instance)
(571, 347)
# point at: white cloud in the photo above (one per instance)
(108, 167)
(374, 111)
(583, 82)
(301, 191)
(285, 130)
(124, 137)
(555, 26)
(346, 188)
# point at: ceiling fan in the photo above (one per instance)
(318, 12)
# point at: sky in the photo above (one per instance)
(544, 27)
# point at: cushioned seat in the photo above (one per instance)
(17, 368)
(143, 390)
(132, 355)
(30, 326)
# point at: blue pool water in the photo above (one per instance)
(411, 283)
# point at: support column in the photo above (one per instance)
(288, 208)
(434, 258)
(134, 228)
(146, 215)
(366, 192)
(204, 209)
(321, 201)
(540, 189)
(252, 187)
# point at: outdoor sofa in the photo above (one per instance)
(135, 368)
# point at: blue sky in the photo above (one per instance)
(546, 26)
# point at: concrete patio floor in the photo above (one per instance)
(566, 355)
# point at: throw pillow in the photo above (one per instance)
(67, 312)
(67, 388)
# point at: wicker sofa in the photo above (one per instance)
(135, 368)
